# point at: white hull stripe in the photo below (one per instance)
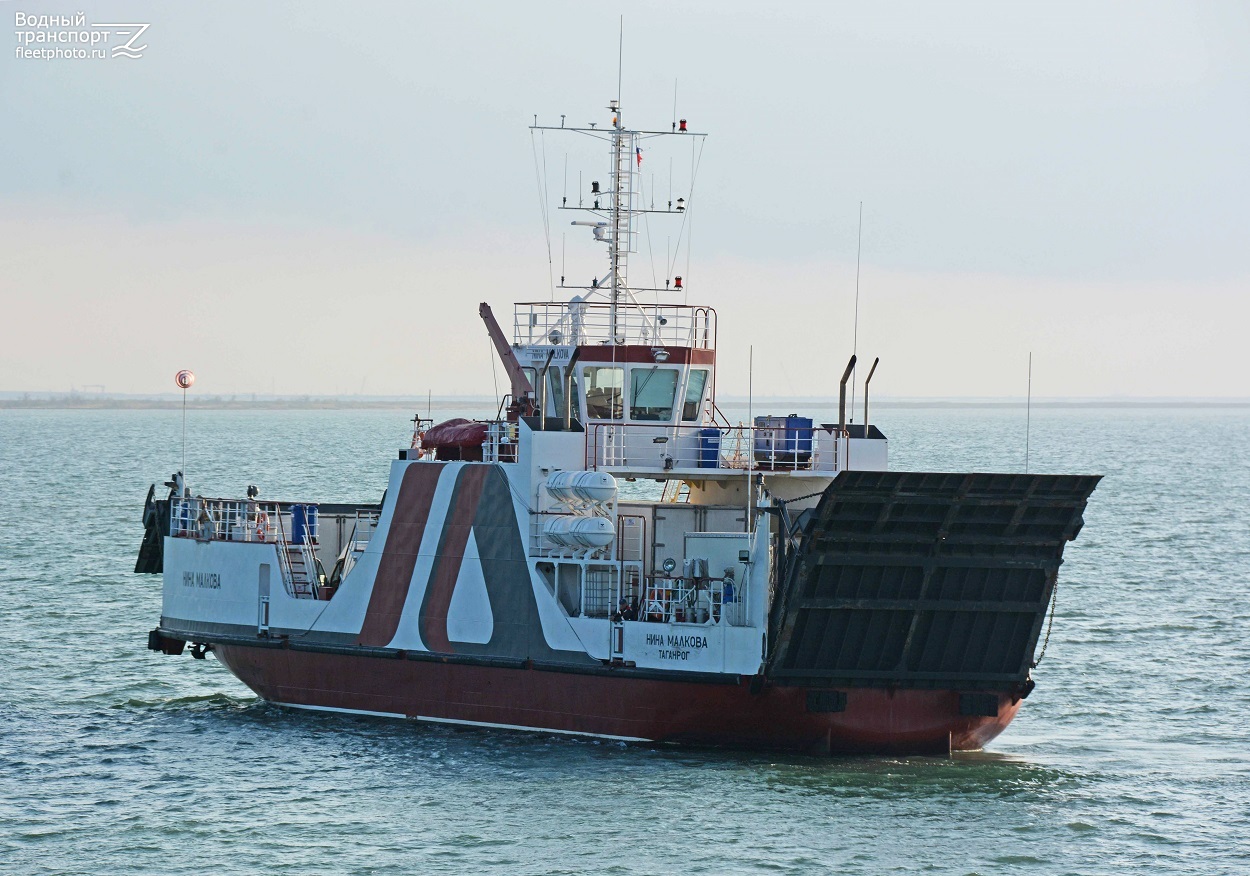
(465, 723)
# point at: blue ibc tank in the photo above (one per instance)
(709, 447)
(799, 436)
(303, 524)
(299, 524)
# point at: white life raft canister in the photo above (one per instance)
(579, 487)
(579, 532)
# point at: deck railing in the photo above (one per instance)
(576, 323)
(688, 449)
(228, 519)
(683, 600)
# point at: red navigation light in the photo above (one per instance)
(682, 123)
(677, 282)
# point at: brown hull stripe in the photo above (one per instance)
(447, 563)
(399, 554)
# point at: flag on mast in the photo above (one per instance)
(638, 152)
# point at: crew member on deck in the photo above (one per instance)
(624, 611)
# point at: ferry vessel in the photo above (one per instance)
(786, 590)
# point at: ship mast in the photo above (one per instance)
(622, 186)
(614, 224)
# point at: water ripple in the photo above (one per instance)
(1132, 756)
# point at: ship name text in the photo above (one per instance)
(202, 580)
(676, 647)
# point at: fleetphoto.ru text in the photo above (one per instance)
(53, 37)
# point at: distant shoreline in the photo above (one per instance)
(67, 401)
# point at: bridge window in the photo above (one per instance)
(605, 397)
(696, 383)
(651, 394)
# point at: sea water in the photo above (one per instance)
(1131, 756)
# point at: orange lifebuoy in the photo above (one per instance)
(656, 598)
(262, 526)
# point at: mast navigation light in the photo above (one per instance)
(682, 129)
(594, 187)
(677, 282)
(681, 205)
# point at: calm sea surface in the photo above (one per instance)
(1132, 756)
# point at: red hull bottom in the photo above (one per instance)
(640, 709)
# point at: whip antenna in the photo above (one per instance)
(1028, 411)
(859, 246)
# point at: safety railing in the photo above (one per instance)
(501, 441)
(693, 601)
(695, 449)
(576, 323)
(229, 519)
(363, 528)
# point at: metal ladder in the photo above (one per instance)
(676, 492)
(303, 567)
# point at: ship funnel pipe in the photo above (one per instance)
(569, 383)
(542, 393)
(871, 371)
(846, 375)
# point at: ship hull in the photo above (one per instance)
(732, 712)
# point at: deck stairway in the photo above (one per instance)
(302, 566)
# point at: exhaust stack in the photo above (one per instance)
(846, 375)
(570, 382)
(542, 393)
(871, 371)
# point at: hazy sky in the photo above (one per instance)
(313, 197)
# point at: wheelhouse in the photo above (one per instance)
(659, 369)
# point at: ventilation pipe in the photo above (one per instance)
(569, 382)
(871, 371)
(846, 375)
(542, 393)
